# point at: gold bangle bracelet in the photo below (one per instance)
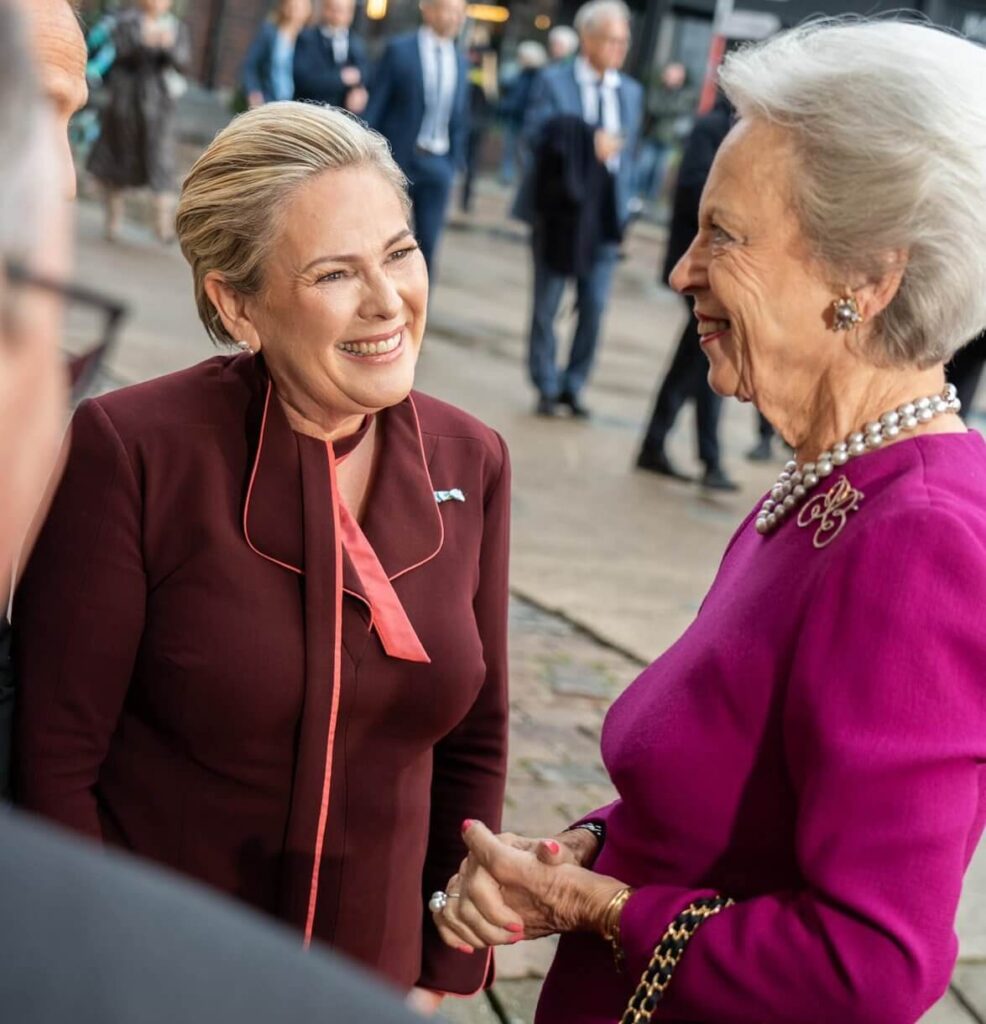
(611, 923)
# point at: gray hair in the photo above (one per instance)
(888, 125)
(565, 38)
(24, 143)
(589, 15)
(531, 54)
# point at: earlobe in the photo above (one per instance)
(232, 309)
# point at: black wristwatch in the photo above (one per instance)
(596, 828)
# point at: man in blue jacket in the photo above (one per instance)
(419, 103)
(590, 87)
(331, 64)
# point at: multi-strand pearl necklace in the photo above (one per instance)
(794, 483)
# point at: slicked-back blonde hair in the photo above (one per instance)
(232, 200)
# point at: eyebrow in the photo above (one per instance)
(350, 257)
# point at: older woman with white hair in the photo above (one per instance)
(801, 777)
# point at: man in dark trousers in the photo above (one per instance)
(419, 103)
(687, 377)
(331, 64)
(592, 89)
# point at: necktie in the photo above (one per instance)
(598, 87)
(437, 102)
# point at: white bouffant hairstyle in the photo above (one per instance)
(888, 124)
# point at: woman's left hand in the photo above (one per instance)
(498, 881)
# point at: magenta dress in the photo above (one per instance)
(815, 747)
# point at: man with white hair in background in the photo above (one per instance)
(563, 43)
(592, 88)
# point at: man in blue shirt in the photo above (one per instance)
(591, 88)
(419, 103)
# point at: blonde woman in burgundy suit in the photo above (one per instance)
(279, 578)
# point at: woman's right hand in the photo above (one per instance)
(496, 924)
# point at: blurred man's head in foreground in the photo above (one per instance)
(59, 50)
(34, 247)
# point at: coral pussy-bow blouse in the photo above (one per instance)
(202, 639)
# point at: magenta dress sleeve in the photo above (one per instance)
(885, 731)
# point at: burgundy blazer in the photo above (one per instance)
(200, 681)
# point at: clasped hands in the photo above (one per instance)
(511, 887)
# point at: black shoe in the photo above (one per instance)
(714, 479)
(762, 451)
(574, 403)
(657, 462)
(547, 406)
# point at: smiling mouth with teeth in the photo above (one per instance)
(372, 348)
(710, 330)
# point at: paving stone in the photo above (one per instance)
(970, 980)
(948, 1011)
(526, 959)
(575, 680)
(567, 774)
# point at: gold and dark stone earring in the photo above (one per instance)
(845, 313)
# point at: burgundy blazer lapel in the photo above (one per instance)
(403, 521)
(273, 523)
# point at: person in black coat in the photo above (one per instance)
(331, 63)
(686, 378)
(966, 369)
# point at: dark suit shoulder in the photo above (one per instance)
(212, 391)
(403, 43)
(632, 86)
(307, 36)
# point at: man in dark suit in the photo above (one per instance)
(592, 88)
(331, 64)
(419, 103)
(687, 377)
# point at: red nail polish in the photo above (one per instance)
(553, 847)
(514, 927)
(464, 949)
(467, 824)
